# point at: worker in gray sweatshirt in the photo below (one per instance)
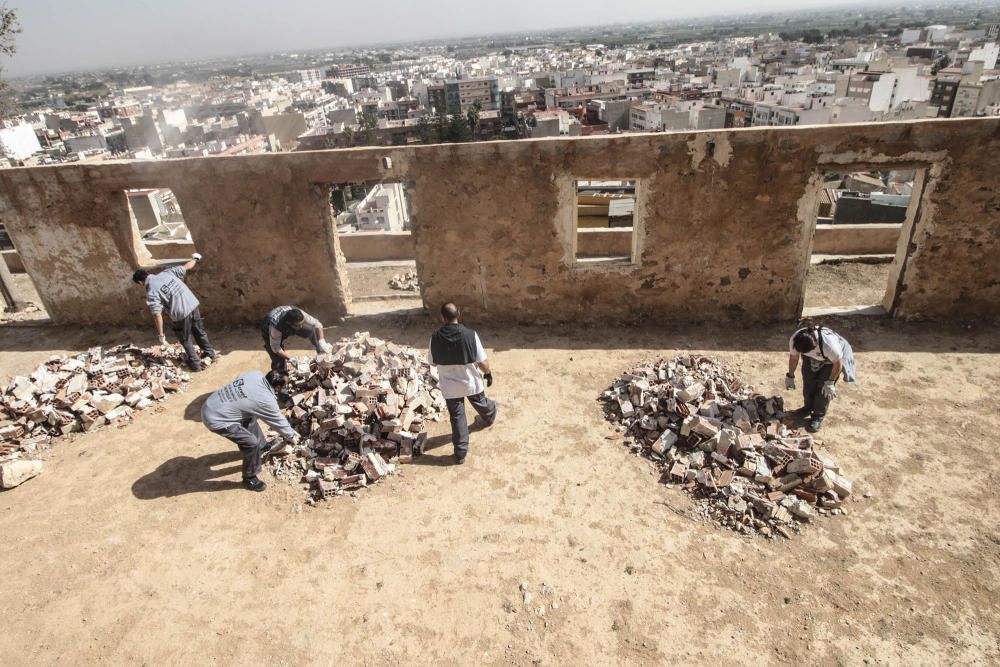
(233, 411)
(166, 291)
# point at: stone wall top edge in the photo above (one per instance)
(305, 157)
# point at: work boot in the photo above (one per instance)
(459, 459)
(254, 484)
(814, 425)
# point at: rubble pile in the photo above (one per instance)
(360, 410)
(711, 433)
(85, 392)
(407, 282)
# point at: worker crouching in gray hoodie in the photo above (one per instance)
(233, 411)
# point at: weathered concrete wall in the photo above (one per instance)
(724, 220)
(262, 225)
(724, 224)
(377, 246)
(953, 266)
(868, 239)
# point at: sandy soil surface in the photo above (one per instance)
(371, 279)
(847, 284)
(138, 546)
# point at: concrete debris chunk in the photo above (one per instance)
(727, 445)
(107, 402)
(68, 394)
(360, 411)
(408, 282)
(15, 473)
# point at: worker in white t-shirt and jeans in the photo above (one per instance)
(827, 356)
(462, 369)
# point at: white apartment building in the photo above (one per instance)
(384, 209)
(986, 54)
(647, 117)
(18, 141)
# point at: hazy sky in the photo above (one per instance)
(61, 35)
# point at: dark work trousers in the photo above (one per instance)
(279, 363)
(193, 327)
(249, 438)
(812, 388)
(487, 409)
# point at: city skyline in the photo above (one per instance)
(58, 38)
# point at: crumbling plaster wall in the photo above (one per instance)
(262, 226)
(725, 221)
(724, 225)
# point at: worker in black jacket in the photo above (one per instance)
(285, 321)
(462, 368)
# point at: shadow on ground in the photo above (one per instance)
(434, 460)
(192, 411)
(185, 474)
(444, 440)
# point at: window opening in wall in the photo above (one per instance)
(28, 305)
(604, 221)
(157, 216)
(859, 218)
(373, 225)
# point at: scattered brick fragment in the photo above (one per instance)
(708, 431)
(67, 394)
(407, 282)
(360, 410)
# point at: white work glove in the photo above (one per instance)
(196, 256)
(789, 381)
(326, 347)
(163, 340)
(829, 389)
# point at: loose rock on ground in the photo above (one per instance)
(408, 282)
(708, 431)
(67, 394)
(360, 410)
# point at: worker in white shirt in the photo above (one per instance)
(462, 369)
(827, 356)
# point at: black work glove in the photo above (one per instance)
(489, 379)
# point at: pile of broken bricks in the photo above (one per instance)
(708, 431)
(408, 282)
(360, 411)
(68, 394)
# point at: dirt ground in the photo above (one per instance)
(371, 279)
(847, 284)
(138, 545)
